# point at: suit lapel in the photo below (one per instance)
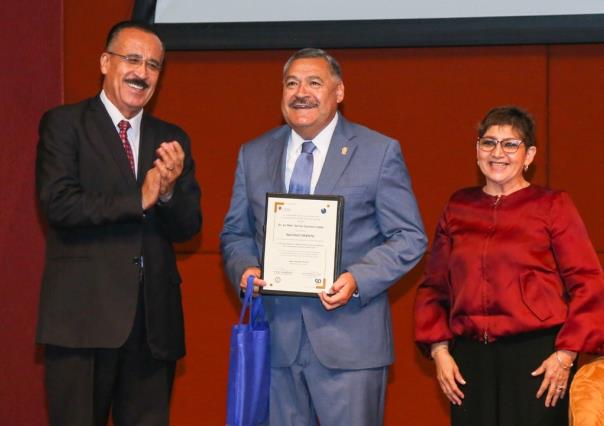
(341, 149)
(105, 135)
(276, 153)
(146, 148)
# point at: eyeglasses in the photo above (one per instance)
(136, 61)
(509, 146)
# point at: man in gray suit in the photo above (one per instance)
(329, 355)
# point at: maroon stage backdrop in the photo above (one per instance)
(430, 99)
(31, 81)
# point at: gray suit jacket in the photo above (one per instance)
(383, 238)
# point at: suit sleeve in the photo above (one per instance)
(181, 216)
(400, 224)
(62, 198)
(582, 275)
(433, 298)
(237, 240)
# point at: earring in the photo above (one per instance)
(526, 167)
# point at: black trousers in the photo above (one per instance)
(84, 385)
(500, 390)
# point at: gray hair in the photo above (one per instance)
(311, 52)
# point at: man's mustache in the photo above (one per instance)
(303, 102)
(137, 82)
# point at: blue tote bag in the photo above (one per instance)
(249, 365)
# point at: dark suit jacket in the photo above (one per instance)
(97, 230)
(382, 239)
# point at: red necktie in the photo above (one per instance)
(124, 126)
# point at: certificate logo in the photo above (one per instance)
(278, 206)
(320, 283)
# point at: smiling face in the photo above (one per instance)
(311, 95)
(129, 87)
(503, 172)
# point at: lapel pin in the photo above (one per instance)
(344, 150)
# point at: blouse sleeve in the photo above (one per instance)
(432, 299)
(581, 272)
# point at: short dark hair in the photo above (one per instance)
(311, 52)
(510, 115)
(117, 28)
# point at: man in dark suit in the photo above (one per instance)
(329, 355)
(117, 187)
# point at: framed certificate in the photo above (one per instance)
(303, 235)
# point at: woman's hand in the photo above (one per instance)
(447, 373)
(555, 370)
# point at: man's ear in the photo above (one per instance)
(340, 92)
(104, 62)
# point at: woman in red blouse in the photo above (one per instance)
(513, 289)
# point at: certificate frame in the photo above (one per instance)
(299, 231)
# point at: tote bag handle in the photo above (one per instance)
(255, 304)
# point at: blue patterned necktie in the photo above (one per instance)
(302, 174)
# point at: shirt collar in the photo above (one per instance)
(321, 141)
(117, 116)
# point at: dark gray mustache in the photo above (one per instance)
(305, 101)
(137, 81)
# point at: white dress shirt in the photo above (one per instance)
(294, 148)
(134, 131)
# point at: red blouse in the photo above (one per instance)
(512, 264)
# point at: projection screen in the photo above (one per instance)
(269, 24)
